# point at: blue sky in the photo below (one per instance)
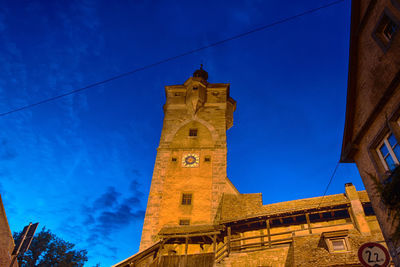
(82, 165)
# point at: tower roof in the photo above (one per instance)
(201, 73)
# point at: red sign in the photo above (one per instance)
(373, 255)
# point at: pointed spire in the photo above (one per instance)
(201, 73)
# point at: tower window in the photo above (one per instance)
(207, 159)
(173, 159)
(184, 222)
(193, 132)
(186, 199)
(195, 88)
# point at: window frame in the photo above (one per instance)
(184, 201)
(193, 132)
(341, 235)
(184, 220)
(378, 33)
(385, 141)
(344, 242)
(392, 125)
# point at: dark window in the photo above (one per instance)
(186, 199)
(207, 159)
(184, 222)
(341, 214)
(301, 219)
(193, 132)
(288, 220)
(314, 217)
(276, 222)
(385, 30)
(396, 3)
(389, 29)
(368, 210)
(195, 88)
(327, 215)
(173, 159)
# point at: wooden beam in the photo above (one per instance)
(190, 235)
(229, 240)
(308, 223)
(186, 249)
(215, 243)
(262, 237)
(268, 232)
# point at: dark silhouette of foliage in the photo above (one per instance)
(389, 192)
(49, 250)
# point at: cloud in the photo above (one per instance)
(108, 199)
(6, 153)
(112, 211)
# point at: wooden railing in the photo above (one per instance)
(229, 245)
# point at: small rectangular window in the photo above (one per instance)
(207, 159)
(337, 241)
(186, 199)
(184, 222)
(193, 132)
(174, 159)
(195, 88)
(338, 244)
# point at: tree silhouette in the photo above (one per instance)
(47, 249)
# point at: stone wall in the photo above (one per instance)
(194, 105)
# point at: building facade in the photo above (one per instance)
(189, 174)
(372, 129)
(6, 239)
(196, 217)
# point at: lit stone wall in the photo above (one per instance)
(194, 105)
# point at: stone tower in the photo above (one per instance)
(189, 174)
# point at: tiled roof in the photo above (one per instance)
(250, 205)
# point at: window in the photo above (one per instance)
(184, 222)
(186, 199)
(207, 159)
(396, 3)
(174, 159)
(385, 30)
(338, 244)
(193, 132)
(389, 152)
(195, 88)
(336, 241)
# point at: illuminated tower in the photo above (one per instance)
(189, 174)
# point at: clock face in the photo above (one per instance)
(190, 160)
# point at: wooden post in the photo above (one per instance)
(228, 244)
(186, 249)
(215, 243)
(308, 223)
(269, 233)
(262, 237)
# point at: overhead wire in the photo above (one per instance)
(327, 186)
(170, 58)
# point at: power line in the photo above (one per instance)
(172, 58)
(330, 181)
